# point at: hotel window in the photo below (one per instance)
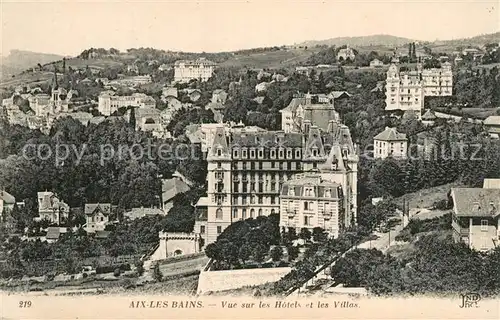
(307, 220)
(273, 200)
(252, 154)
(219, 165)
(202, 229)
(315, 165)
(235, 213)
(306, 205)
(281, 153)
(297, 153)
(273, 164)
(259, 200)
(484, 225)
(218, 214)
(236, 186)
(289, 153)
(260, 165)
(328, 193)
(273, 153)
(219, 229)
(252, 165)
(235, 153)
(261, 153)
(244, 153)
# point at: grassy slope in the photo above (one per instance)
(274, 59)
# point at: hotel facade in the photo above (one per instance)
(186, 70)
(247, 172)
(405, 90)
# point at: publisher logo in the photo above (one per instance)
(470, 300)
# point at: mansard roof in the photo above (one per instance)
(266, 139)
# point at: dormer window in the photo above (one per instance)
(476, 206)
(273, 153)
(315, 152)
(297, 153)
(219, 152)
(291, 191)
(244, 153)
(252, 153)
(281, 154)
(289, 153)
(328, 193)
(260, 153)
(235, 153)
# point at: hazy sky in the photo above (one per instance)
(68, 27)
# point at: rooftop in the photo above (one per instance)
(390, 134)
(476, 202)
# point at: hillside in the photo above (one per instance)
(272, 59)
(18, 61)
(364, 41)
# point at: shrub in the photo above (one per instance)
(117, 272)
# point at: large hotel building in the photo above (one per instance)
(187, 70)
(405, 90)
(247, 172)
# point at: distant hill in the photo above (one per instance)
(364, 41)
(18, 61)
(474, 41)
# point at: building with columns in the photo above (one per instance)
(247, 170)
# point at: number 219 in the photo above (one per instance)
(24, 304)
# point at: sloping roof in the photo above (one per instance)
(491, 184)
(7, 197)
(476, 202)
(259, 100)
(215, 106)
(390, 134)
(53, 233)
(102, 234)
(492, 121)
(172, 187)
(338, 94)
(316, 181)
(104, 208)
(266, 139)
(429, 115)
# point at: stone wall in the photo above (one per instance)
(233, 279)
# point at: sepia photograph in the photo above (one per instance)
(250, 159)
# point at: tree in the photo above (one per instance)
(139, 265)
(293, 253)
(277, 253)
(259, 253)
(319, 235)
(305, 234)
(244, 253)
(157, 275)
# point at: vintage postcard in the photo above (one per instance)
(250, 159)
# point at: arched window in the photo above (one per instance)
(218, 214)
(260, 212)
(252, 213)
(244, 214)
(272, 211)
(178, 252)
